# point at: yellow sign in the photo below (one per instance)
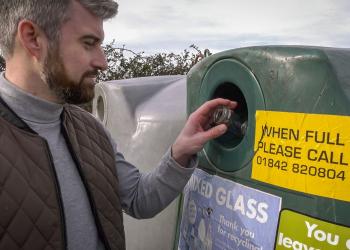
(309, 153)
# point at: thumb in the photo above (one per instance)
(215, 132)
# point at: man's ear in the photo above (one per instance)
(32, 38)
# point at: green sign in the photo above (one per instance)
(298, 232)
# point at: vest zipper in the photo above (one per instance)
(92, 204)
(58, 194)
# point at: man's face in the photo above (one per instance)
(71, 65)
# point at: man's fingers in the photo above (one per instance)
(208, 107)
(214, 132)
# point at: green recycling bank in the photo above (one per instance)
(283, 182)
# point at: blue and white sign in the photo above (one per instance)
(222, 214)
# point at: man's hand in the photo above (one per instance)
(197, 131)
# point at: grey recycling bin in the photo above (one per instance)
(144, 116)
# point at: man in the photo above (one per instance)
(63, 184)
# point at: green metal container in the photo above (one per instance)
(296, 102)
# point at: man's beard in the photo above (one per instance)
(64, 88)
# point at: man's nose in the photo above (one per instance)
(99, 60)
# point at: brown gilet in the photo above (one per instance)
(31, 210)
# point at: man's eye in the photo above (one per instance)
(89, 43)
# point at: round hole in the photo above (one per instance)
(100, 108)
(239, 121)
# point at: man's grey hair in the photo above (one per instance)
(49, 15)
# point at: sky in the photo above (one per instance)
(172, 26)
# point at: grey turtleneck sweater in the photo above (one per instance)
(142, 195)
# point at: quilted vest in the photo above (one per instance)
(31, 210)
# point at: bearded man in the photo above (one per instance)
(63, 183)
